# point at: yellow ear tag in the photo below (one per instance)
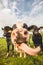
(9, 31)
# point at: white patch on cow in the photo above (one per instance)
(19, 24)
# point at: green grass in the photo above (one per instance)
(29, 60)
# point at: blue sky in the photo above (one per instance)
(28, 11)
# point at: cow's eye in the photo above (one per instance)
(25, 32)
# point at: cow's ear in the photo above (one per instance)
(2, 28)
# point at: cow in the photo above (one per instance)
(37, 38)
(7, 33)
(19, 36)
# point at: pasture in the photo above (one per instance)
(29, 60)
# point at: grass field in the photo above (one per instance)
(29, 60)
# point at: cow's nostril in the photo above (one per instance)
(13, 33)
(25, 32)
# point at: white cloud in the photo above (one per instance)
(0, 6)
(14, 6)
(37, 7)
(5, 3)
(7, 18)
(35, 2)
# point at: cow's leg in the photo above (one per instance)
(24, 55)
(8, 47)
(20, 53)
(13, 50)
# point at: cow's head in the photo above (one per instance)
(7, 30)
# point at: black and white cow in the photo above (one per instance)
(37, 38)
(7, 33)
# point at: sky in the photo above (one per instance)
(28, 11)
